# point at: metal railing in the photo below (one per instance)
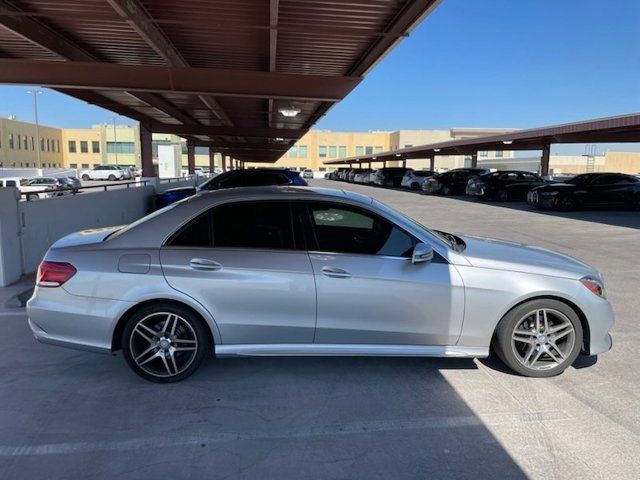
(58, 192)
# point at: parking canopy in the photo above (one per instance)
(244, 77)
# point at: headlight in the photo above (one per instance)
(595, 285)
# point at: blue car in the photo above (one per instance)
(257, 177)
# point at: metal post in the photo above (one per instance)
(146, 152)
(404, 163)
(544, 159)
(35, 94)
(191, 157)
(432, 163)
(474, 160)
(115, 138)
(212, 160)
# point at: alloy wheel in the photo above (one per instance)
(543, 339)
(163, 344)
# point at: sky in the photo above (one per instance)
(471, 63)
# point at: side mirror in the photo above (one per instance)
(422, 253)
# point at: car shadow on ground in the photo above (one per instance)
(240, 417)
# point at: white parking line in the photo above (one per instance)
(344, 429)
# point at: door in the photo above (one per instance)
(368, 290)
(243, 263)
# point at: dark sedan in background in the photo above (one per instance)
(257, 177)
(389, 177)
(453, 182)
(588, 190)
(505, 185)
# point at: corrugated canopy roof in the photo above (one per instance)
(215, 72)
(623, 128)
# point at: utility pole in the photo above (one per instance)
(115, 138)
(35, 94)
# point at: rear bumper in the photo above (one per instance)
(429, 188)
(59, 318)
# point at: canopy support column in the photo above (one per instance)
(191, 157)
(544, 160)
(474, 160)
(146, 152)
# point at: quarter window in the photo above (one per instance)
(343, 229)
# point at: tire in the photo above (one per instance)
(151, 356)
(565, 203)
(446, 190)
(534, 353)
(502, 196)
(112, 177)
(86, 177)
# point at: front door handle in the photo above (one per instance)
(204, 264)
(335, 272)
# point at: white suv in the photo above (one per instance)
(103, 172)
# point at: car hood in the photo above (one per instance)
(85, 237)
(180, 190)
(496, 254)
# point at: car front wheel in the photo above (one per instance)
(164, 343)
(86, 177)
(540, 338)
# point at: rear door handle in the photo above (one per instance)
(335, 272)
(204, 264)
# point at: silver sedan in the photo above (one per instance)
(287, 271)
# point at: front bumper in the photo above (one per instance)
(540, 201)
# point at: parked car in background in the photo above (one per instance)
(389, 176)
(103, 172)
(362, 177)
(413, 179)
(45, 186)
(588, 190)
(70, 182)
(505, 185)
(307, 173)
(10, 182)
(351, 175)
(299, 272)
(453, 182)
(255, 177)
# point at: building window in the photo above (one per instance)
(368, 150)
(322, 151)
(48, 145)
(483, 154)
(26, 143)
(84, 146)
(293, 152)
(407, 145)
(72, 146)
(85, 165)
(499, 154)
(11, 146)
(332, 151)
(379, 149)
(121, 147)
(42, 144)
(73, 165)
(19, 142)
(342, 151)
(95, 147)
(33, 143)
(302, 151)
(359, 151)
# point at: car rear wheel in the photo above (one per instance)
(164, 343)
(540, 338)
(112, 177)
(447, 190)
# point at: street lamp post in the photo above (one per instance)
(35, 94)
(115, 138)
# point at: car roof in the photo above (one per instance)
(274, 192)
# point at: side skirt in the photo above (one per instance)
(346, 350)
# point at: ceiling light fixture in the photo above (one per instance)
(436, 149)
(508, 142)
(290, 111)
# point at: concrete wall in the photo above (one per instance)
(27, 229)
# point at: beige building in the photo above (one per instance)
(19, 145)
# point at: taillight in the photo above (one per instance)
(54, 274)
